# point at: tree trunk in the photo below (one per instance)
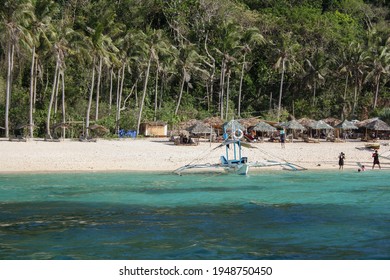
(227, 94)
(314, 93)
(378, 79)
(144, 93)
(118, 102)
(281, 90)
(355, 96)
(98, 89)
(63, 103)
(8, 87)
(222, 87)
(31, 124)
(156, 97)
(240, 88)
(53, 92)
(110, 95)
(90, 100)
(181, 91)
(343, 113)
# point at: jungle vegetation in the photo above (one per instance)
(118, 63)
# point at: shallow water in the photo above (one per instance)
(267, 215)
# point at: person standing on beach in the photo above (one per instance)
(375, 155)
(282, 137)
(341, 160)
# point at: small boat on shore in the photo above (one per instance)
(374, 146)
(233, 161)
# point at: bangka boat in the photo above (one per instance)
(233, 161)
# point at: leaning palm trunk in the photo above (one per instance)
(9, 85)
(181, 92)
(378, 78)
(110, 94)
(222, 86)
(121, 79)
(156, 97)
(281, 89)
(240, 88)
(227, 94)
(144, 93)
(90, 100)
(63, 103)
(31, 124)
(53, 92)
(98, 89)
(343, 114)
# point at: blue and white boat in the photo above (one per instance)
(233, 161)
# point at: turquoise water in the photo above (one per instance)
(267, 215)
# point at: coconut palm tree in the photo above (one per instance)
(152, 42)
(315, 72)
(380, 66)
(250, 39)
(39, 33)
(286, 62)
(230, 42)
(15, 18)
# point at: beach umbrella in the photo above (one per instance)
(321, 125)
(346, 125)
(201, 128)
(306, 122)
(264, 127)
(294, 125)
(233, 125)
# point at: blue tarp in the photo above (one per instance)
(127, 133)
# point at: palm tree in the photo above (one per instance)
(39, 31)
(315, 71)
(380, 65)
(101, 49)
(153, 42)
(189, 61)
(286, 62)
(230, 42)
(15, 18)
(250, 39)
(65, 41)
(359, 60)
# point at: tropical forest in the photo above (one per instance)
(119, 63)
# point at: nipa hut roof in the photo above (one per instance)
(263, 127)
(201, 128)
(248, 122)
(306, 122)
(233, 125)
(294, 124)
(321, 125)
(215, 122)
(345, 124)
(377, 125)
(332, 121)
(187, 124)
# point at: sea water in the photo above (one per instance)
(266, 215)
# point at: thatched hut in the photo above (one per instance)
(157, 129)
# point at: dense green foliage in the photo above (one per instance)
(121, 62)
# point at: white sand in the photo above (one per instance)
(158, 154)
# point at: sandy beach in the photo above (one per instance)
(158, 154)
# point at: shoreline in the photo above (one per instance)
(160, 155)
